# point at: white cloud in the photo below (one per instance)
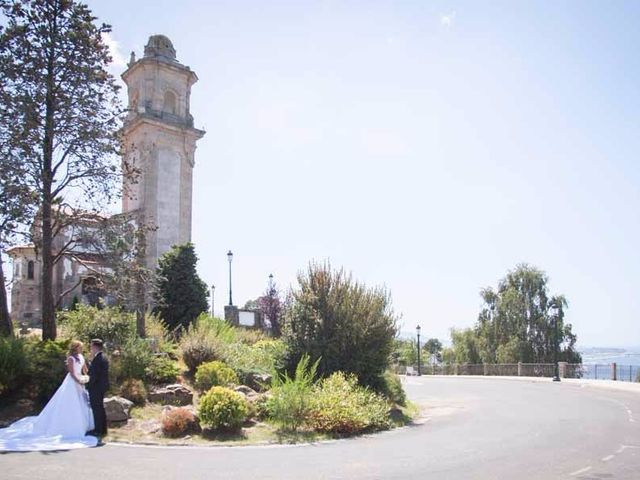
(118, 60)
(447, 19)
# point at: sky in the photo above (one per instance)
(428, 147)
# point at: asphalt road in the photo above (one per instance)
(474, 429)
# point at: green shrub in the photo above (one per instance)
(13, 364)
(160, 340)
(265, 356)
(114, 326)
(335, 318)
(248, 336)
(638, 376)
(162, 370)
(273, 352)
(289, 404)
(47, 366)
(135, 357)
(340, 406)
(392, 390)
(222, 408)
(213, 374)
(134, 390)
(200, 344)
(217, 327)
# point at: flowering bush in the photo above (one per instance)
(339, 405)
(178, 422)
(221, 407)
(214, 373)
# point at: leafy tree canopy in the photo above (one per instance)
(516, 324)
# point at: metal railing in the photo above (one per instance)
(626, 373)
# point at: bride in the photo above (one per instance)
(63, 422)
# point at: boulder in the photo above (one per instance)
(258, 381)
(117, 409)
(175, 394)
(396, 415)
(248, 392)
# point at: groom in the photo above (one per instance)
(97, 387)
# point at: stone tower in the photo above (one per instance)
(160, 142)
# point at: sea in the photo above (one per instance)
(597, 362)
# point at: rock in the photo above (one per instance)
(396, 415)
(150, 426)
(117, 409)
(258, 381)
(248, 392)
(175, 394)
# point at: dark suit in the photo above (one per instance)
(97, 387)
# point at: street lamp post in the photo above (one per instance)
(555, 310)
(213, 291)
(418, 334)
(230, 258)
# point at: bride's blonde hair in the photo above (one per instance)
(74, 347)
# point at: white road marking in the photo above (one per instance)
(607, 458)
(630, 413)
(579, 472)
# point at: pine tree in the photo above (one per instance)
(180, 294)
(59, 108)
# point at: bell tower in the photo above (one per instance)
(159, 144)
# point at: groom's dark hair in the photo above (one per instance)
(97, 342)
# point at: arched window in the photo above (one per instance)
(31, 270)
(169, 102)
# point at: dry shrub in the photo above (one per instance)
(178, 422)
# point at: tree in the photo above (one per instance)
(405, 352)
(120, 243)
(61, 110)
(341, 322)
(271, 307)
(180, 293)
(433, 346)
(464, 347)
(515, 324)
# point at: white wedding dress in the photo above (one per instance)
(61, 425)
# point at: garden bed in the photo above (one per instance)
(144, 429)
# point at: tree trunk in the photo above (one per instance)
(48, 304)
(6, 326)
(140, 294)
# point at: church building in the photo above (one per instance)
(159, 142)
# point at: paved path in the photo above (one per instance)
(476, 429)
